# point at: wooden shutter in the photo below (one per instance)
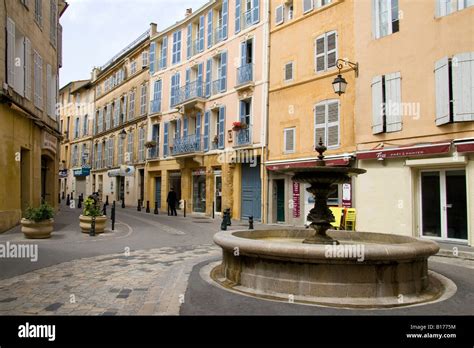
(255, 11)
(206, 130)
(199, 79)
(320, 54)
(208, 76)
(223, 83)
(238, 14)
(189, 39)
(225, 18)
(331, 49)
(10, 52)
(198, 126)
(393, 102)
(201, 33)
(209, 29)
(463, 86)
(289, 138)
(332, 123)
(221, 127)
(307, 5)
(289, 71)
(377, 105)
(152, 58)
(28, 69)
(320, 123)
(442, 91)
(48, 90)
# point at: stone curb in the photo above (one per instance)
(466, 255)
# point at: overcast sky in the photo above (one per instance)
(95, 30)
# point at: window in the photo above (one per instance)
(116, 112)
(130, 147)
(326, 120)
(289, 71)
(144, 58)
(289, 140)
(100, 120)
(110, 158)
(247, 14)
(108, 114)
(384, 17)
(76, 128)
(53, 23)
(175, 83)
(141, 144)
(143, 100)
(39, 12)
(326, 51)
(446, 7)
(75, 156)
(152, 57)
(386, 103)
(85, 155)
(38, 76)
(220, 85)
(289, 9)
(98, 163)
(131, 111)
(85, 125)
(133, 67)
(163, 53)
(156, 102)
(279, 15)
(454, 92)
(307, 5)
(176, 57)
(120, 151)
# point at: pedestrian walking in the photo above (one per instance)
(172, 200)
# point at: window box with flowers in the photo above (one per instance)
(150, 144)
(236, 126)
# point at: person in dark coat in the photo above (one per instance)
(172, 200)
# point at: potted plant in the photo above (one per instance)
(236, 126)
(38, 222)
(92, 209)
(150, 144)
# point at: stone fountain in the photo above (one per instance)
(325, 266)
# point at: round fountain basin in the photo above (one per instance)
(365, 270)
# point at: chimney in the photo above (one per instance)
(153, 29)
(189, 11)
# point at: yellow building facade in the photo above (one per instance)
(208, 110)
(30, 46)
(415, 118)
(307, 38)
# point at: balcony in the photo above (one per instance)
(218, 35)
(155, 106)
(218, 86)
(242, 137)
(191, 95)
(195, 49)
(153, 153)
(187, 145)
(244, 77)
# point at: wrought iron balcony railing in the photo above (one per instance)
(188, 144)
(245, 74)
(218, 34)
(153, 152)
(242, 137)
(190, 91)
(218, 86)
(247, 19)
(155, 106)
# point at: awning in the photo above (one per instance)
(465, 147)
(409, 151)
(123, 171)
(306, 164)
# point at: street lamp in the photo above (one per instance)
(123, 134)
(340, 84)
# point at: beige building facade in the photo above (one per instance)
(30, 58)
(415, 118)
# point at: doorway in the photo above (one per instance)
(158, 191)
(120, 188)
(443, 204)
(47, 179)
(142, 184)
(280, 199)
(218, 193)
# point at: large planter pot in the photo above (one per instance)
(85, 223)
(37, 230)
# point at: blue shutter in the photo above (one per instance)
(209, 29)
(178, 58)
(173, 79)
(201, 33)
(189, 41)
(198, 125)
(164, 52)
(223, 71)
(237, 16)
(208, 77)
(206, 130)
(243, 53)
(199, 79)
(221, 126)
(185, 126)
(256, 11)
(178, 129)
(187, 87)
(165, 139)
(242, 111)
(152, 57)
(225, 16)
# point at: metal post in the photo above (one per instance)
(229, 223)
(63, 195)
(104, 210)
(106, 200)
(224, 221)
(184, 210)
(59, 198)
(213, 209)
(147, 206)
(156, 208)
(79, 202)
(112, 215)
(251, 222)
(123, 201)
(68, 200)
(92, 230)
(139, 206)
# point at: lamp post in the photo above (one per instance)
(340, 84)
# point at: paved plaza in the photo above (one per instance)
(154, 265)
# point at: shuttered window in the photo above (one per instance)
(289, 140)
(176, 57)
(326, 115)
(385, 19)
(164, 53)
(131, 110)
(279, 15)
(53, 22)
(28, 70)
(143, 100)
(387, 105)
(38, 77)
(463, 87)
(307, 5)
(141, 145)
(39, 12)
(129, 157)
(326, 51)
(288, 71)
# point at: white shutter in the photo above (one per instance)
(318, 3)
(375, 19)
(28, 70)
(393, 100)
(377, 100)
(279, 15)
(320, 123)
(10, 51)
(320, 60)
(442, 91)
(463, 86)
(331, 49)
(332, 110)
(289, 139)
(307, 5)
(48, 90)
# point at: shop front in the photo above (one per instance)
(199, 190)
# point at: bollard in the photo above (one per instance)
(156, 208)
(184, 210)
(112, 216)
(72, 195)
(251, 222)
(104, 210)
(63, 195)
(213, 210)
(123, 202)
(92, 230)
(79, 202)
(229, 223)
(68, 201)
(224, 221)
(147, 206)
(106, 200)
(59, 198)
(139, 206)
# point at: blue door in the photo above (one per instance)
(158, 191)
(251, 192)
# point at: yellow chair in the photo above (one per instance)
(338, 213)
(350, 219)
